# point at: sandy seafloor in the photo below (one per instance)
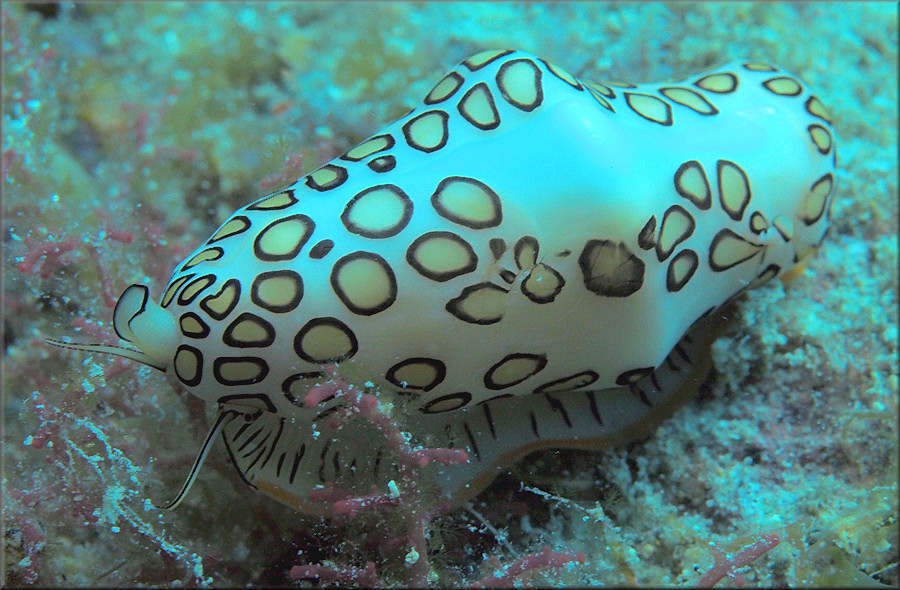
(160, 119)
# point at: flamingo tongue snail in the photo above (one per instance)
(526, 260)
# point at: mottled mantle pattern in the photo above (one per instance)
(190, 106)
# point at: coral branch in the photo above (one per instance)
(405, 495)
(526, 564)
(48, 252)
(351, 506)
(725, 566)
(366, 406)
(106, 287)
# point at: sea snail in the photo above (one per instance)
(526, 260)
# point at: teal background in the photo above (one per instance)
(159, 119)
